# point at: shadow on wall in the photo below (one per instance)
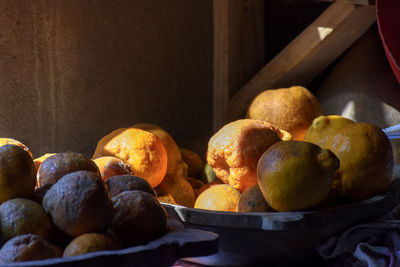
(72, 71)
(362, 86)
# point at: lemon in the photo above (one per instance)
(296, 175)
(323, 127)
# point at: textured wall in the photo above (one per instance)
(72, 71)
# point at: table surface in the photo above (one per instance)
(312, 262)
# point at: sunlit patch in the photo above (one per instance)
(349, 110)
(323, 32)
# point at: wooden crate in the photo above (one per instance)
(298, 63)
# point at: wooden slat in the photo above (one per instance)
(310, 53)
(220, 64)
(357, 2)
(239, 49)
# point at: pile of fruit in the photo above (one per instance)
(285, 156)
(66, 204)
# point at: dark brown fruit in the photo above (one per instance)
(138, 218)
(60, 164)
(110, 166)
(79, 203)
(40, 192)
(196, 184)
(21, 216)
(120, 183)
(27, 248)
(17, 173)
(252, 200)
(91, 242)
(194, 162)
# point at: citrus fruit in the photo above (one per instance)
(120, 183)
(168, 198)
(366, 160)
(10, 141)
(38, 161)
(21, 216)
(138, 217)
(91, 242)
(60, 164)
(17, 173)
(142, 150)
(292, 109)
(79, 203)
(296, 175)
(175, 162)
(233, 151)
(323, 127)
(252, 200)
(179, 188)
(110, 166)
(27, 248)
(222, 197)
(194, 162)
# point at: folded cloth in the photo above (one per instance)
(372, 244)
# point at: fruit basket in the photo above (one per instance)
(178, 242)
(284, 237)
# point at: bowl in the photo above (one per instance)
(177, 243)
(277, 237)
(388, 19)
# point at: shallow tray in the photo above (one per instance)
(277, 237)
(177, 243)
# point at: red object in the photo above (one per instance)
(388, 16)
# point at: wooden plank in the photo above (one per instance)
(283, 233)
(239, 50)
(357, 2)
(220, 61)
(309, 53)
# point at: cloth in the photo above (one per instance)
(374, 244)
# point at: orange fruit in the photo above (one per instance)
(27, 248)
(222, 197)
(110, 166)
(167, 199)
(17, 173)
(366, 160)
(179, 188)
(175, 162)
(91, 242)
(323, 127)
(233, 151)
(194, 162)
(292, 109)
(142, 150)
(296, 175)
